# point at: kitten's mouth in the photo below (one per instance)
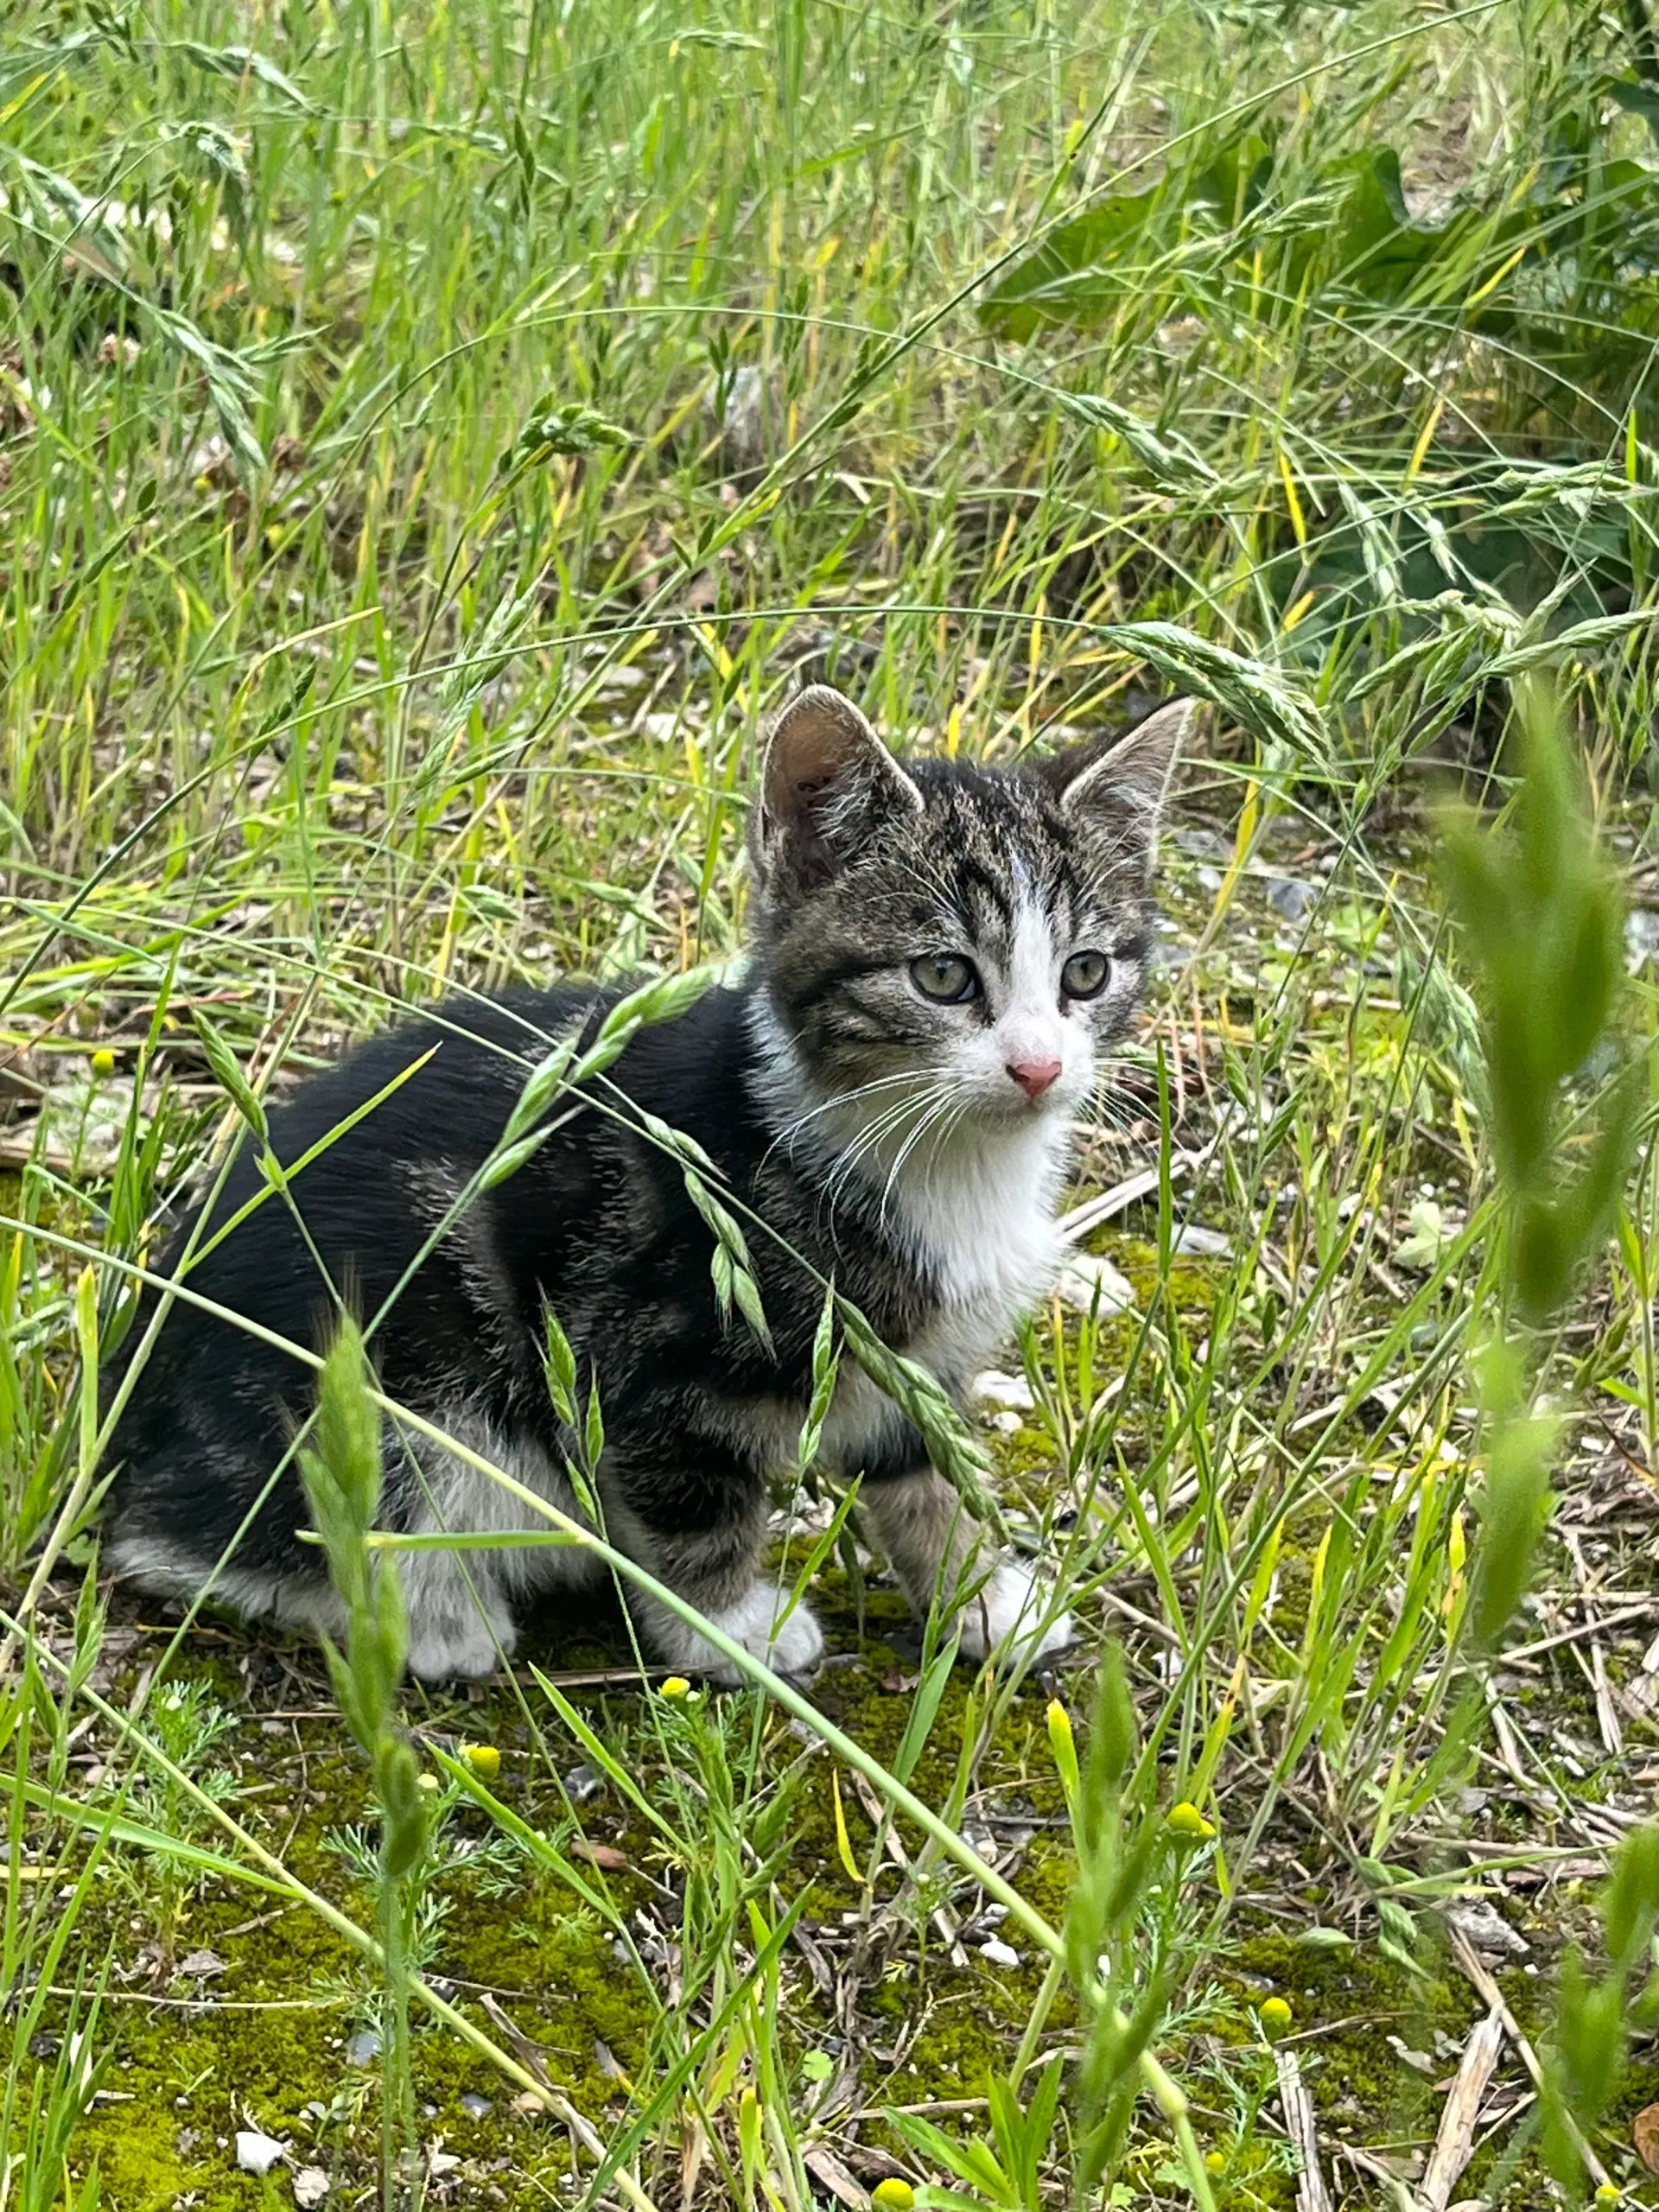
(1015, 1107)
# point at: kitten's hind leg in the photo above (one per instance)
(459, 1625)
(460, 1615)
(938, 1550)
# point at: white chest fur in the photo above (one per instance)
(981, 1229)
(979, 1217)
(974, 1213)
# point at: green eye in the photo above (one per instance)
(945, 976)
(1085, 975)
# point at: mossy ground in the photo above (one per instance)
(267, 2040)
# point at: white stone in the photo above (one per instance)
(1193, 1242)
(257, 2153)
(997, 1389)
(1086, 1274)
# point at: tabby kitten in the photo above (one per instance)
(940, 952)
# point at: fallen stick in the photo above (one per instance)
(1091, 1214)
(1454, 2144)
(1312, 2194)
(1463, 1952)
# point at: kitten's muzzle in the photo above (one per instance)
(1033, 1076)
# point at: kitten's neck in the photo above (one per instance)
(971, 1202)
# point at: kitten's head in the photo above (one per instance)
(930, 930)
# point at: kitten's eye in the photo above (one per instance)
(945, 976)
(1085, 975)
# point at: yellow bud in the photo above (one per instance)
(675, 1686)
(1275, 2017)
(428, 1781)
(893, 2195)
(103, 1062)
(1063, 1745)
(484, 1759)
(1608, 2193)
(1187, 1822)
(751, 2121)
(1214, 2162)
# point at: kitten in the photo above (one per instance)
(939, 953)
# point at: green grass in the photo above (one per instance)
(1015, 366)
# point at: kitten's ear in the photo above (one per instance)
(1124, 786)
(827, 781)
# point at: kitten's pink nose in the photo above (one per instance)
(1033, 1076)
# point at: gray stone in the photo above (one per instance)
(1290, 896)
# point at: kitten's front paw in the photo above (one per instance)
(1007, 1614)
(793, 1648)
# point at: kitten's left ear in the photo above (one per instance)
(1126, 784)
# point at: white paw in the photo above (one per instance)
(791, 1648)
(465, 1648)
(1008, 1613)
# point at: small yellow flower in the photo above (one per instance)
(428, 1781)
(1214, 2162)
(103, 1062)
(893, 2195)
(1275, 2017)
(484, 1759)
(1187, 1822)
(675, 1686)
(1608, 2193)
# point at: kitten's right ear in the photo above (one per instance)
(828, 782)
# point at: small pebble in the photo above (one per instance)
(364, 2047)
(1003, 1389)
(582, 1783)
(999, 1953)
(311, 2187)
(475, 2107)
(1478, 1921)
